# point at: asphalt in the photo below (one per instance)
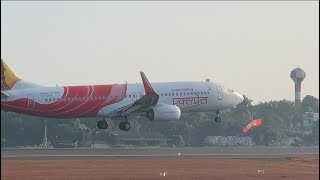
(115, 153)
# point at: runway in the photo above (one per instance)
(112, 153)
(244, 163)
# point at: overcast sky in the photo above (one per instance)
(250, 47)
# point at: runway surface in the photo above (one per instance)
(241, 163)
(111, 153)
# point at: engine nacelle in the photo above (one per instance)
(164, 112)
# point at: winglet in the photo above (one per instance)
(147, 86)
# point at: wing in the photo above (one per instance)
(145, 102)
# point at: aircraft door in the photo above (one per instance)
(30, 99)
(219, 93)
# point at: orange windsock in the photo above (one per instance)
(253, 123)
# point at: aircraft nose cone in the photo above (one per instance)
(239, 98)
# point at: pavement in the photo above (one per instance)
(108, 153)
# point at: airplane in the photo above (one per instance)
(157, 101)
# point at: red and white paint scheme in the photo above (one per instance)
(156, 101)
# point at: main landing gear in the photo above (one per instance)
(124, 126)
(102, 124)
(217, 119)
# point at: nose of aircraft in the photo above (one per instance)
(239, 98)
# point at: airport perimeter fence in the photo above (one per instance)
(228, 141)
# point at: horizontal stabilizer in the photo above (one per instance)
(4, 95)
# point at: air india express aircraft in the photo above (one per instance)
(159, 101)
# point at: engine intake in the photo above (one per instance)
(164, 113)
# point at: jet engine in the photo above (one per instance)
(164, 112)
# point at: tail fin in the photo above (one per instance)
(8, 78)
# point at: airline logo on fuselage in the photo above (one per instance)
(188, 102)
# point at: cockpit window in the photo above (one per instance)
(230, 90)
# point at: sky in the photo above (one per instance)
(250, 47)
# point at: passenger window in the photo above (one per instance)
(46, 100)
(184, 93)
(191, 93)
(54, 99)
(129, 96)
(169, 94)
(187, 93)
(177, 94)
(180, 94)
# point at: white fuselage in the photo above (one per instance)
(79, 101)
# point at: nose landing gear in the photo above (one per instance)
(217, 118)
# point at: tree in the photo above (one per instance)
(310, 101)
(315, 131)
(273, 123)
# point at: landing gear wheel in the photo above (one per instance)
(217, 119)
(102, 124)
(124, 126)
